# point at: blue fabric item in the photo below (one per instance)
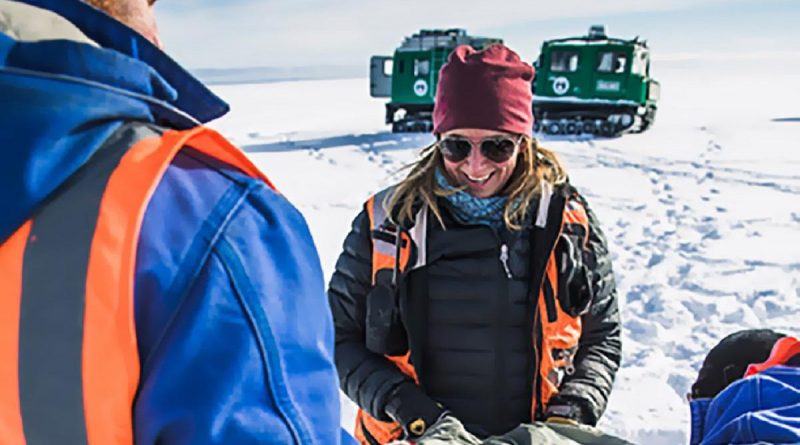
(220, 294)
(194, 99)
(470, 209)
(764, 408)
(59, 100)
(233, 327)
(48, 129)
(698, 410)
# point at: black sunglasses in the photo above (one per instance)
(496, 148)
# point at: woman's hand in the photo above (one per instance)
(446, 431)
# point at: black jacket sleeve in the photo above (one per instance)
(600, 348)
(372, 381)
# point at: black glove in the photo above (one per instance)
(413, 409)
(568, 409)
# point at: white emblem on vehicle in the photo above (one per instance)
(560, 85)
(420, 87)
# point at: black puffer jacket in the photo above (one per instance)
(469, 327)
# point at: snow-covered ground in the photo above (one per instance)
(702, 212)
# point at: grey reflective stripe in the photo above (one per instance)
(378, 211)
(544, 204)
(419, 237)
(53, 294)
(379, 217)
(418, 232)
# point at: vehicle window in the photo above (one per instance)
(611, 62)
(563, 61)
(422, 67)
(388, 65)
(639, 65)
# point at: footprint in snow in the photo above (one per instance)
(642, 330)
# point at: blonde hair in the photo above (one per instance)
(534, 164)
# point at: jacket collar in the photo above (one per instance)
(173, 86)
(66, 88)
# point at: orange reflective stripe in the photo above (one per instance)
(106, 355)
(783, 350)
(574, 213)
(213, 144)
(370, 205)
(564, 332)
(385, 432)
(546, 363)
(110, 380)
(55, 291)
(379, 260)
(11, 254)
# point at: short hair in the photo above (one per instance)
(104, 5)
(136, 14)
(123, 10)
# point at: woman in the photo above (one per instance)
(479, 286)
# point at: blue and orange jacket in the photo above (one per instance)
(763, 407)
(154, 288)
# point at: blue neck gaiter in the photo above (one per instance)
(470, 209)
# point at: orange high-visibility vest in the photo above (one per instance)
(69, 366)
(560, 331)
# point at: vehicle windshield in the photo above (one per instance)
(611, 62)
(564, 61)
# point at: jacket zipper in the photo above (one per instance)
(569, 367)
(568, 356)
(504, 260)
(502, 305)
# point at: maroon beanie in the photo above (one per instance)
(488, 89)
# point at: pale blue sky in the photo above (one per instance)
(246, 33)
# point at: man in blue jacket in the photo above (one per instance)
(154, 287)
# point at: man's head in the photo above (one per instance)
(137, 14)
(728, 360)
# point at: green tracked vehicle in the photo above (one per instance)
(409, 77)
(594, 85)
